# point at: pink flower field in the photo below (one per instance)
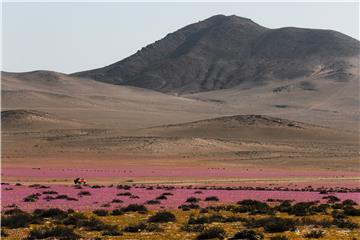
(106, 196)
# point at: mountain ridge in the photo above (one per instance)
(225, 51)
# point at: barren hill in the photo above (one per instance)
(31, 119)
(226, 51)
(253, 127)
(99, 104)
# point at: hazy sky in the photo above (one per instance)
(70, 37)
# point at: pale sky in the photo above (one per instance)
(69, 37)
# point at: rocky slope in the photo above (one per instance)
(226, 51)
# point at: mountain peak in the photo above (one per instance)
(225, 51)
(227, 17)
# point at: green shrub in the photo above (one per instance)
(351, 211)
(66, 197)
(312, 222)
(14, 211)
(167, 194)
(302, 209)
(337, 206)
(192, 227)
(112, 231)
(206, 219)
(124, 194)
(212, 199)
(124, 187)
(188, 207)
(275, 224)
(84, 193)
(134, 208)
(314, 234)
(49, 192)
(153, 227)
(93, 224)
(349, 202)
(248, 235)
(214, 218)
(32, 197)
(3, 233)
(135, 227)
(101, 212)
(336, 214)
(57, 232)
(74, 218)
(153, 202)
(249, 202)
(192, 200)
(322, 208)
(343, 223)
(117, 212)
(161, 197)
(332, 199)
(140, 227)
(279, 237)
(254, 207)
(70, 210)
(213, 232)
(162, 217)
(204, 210)
(284, 206)
(50, 213)
(17, 220)
(234, 219)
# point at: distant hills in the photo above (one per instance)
(222, 66)
(222, 52)
(250, 127)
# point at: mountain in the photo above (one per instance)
(103, 105)
(226, 51)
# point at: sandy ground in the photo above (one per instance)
(176, 160)
(78, 124)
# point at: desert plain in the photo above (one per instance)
(171, 159)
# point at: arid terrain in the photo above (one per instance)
(51, 120)
(237, 130)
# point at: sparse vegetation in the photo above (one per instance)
(248, 235)
(192, 200)
(351, 211)
(17, 220)
(279, 237)
(162, 217)
(314, 234)
(57, 232)
(101, 212)
(84, 193)
(199, 223)
(212, 199)
(135, 227)
(112, 231)
(32, 197)
(135, 208)
(117, 212)
(276, 224)
(153, 202)
(193, 227)
(261, 220)
(212, 233)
